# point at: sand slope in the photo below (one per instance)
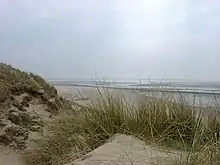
(128, 150)
(9, 157)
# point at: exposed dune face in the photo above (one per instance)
(27, 102)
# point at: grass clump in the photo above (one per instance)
(173, 124)
(15, 81)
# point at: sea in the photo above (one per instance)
(198, 93)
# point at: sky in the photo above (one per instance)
(117, 39)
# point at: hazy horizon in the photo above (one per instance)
(125, 39)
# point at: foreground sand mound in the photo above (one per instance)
(128, 150)
(26, 102)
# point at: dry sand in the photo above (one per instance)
(128, 150)
(9, 157)
(83, 95)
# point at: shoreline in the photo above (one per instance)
(144, 89)
(194, 99)
(83, 96)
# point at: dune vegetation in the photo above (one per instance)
(171, 124)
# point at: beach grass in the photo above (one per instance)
(171, 124)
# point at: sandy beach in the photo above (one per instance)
(83, 95)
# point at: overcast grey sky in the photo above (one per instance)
(114, 38)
